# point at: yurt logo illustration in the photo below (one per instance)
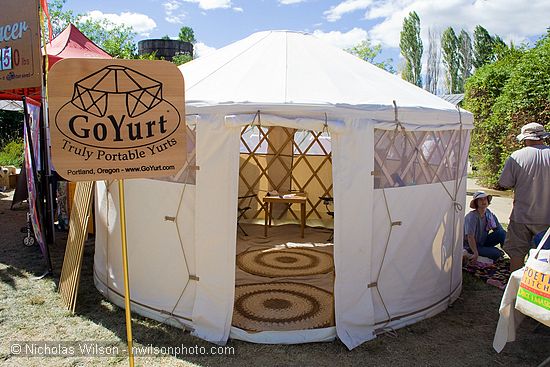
(117, 108)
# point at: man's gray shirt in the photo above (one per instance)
(527, 171)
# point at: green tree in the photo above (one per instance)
(503, 96)
(433, 61)
(116, 40)
(12, 153)
(365, 51)
(187, 35)
(181, 58)
(60, 18)
(449, 47)
(166, 37)
(465, 58)
(483, 47)
(411, 49)
(11, 126)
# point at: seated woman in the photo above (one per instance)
(482, 230)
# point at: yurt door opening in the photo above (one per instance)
(285, 273)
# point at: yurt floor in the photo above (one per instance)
(283, 282)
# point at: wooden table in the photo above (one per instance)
(285, 199)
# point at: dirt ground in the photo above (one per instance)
(31, 310)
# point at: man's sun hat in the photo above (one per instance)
(480, 195)
(533, 131)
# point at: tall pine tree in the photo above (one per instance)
(433, 61)
(465, 58)
(483, 47)
(449, 46)
(411, 49)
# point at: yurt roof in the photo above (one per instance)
(282, 71)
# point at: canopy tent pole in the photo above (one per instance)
(47, 184)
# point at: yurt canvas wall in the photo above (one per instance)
(398, 176)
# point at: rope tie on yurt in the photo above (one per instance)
(386, 330)
(259, 119)
(375, 283)
(190, 276)
(458, 206)
(325, 124)
(459, 177)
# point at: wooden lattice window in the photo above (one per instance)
(283, 159)
(405, 158)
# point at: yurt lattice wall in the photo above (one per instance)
(405, 158)
(285, 160)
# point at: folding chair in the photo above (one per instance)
(244, 206)
(328, 200)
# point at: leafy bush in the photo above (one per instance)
(181, 58)
(504, 96)
(12, 154)
(11, 126)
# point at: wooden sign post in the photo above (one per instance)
(117, 119)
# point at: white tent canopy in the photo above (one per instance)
(288, 72)
(398, 171)
(11, 105)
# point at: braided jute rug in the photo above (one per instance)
(282, 307)
(286, 262)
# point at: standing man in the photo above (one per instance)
(527, 171)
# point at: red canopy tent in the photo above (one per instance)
(70, 43)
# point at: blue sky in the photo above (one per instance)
(343, 23)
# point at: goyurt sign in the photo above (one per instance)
(113, 119)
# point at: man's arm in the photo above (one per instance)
(507, 179)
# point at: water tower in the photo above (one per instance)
(165, 48)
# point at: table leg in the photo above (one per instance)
(303, 214)
(266, 209)
(270, 213)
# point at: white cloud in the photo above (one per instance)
(513, 20)
(347, 6)
(238, 10)
(202, 49)
(141, 23)
(172, 14)
(211, 4)
(289, 2)
(342, 39)
(171, 6)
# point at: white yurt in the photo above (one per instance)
(378, 164)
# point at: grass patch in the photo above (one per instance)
(31, 310)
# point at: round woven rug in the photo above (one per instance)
(282, 307)
(285, 262)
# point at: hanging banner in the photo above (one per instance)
(112, 119)
(32, 164)
(20, 53)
